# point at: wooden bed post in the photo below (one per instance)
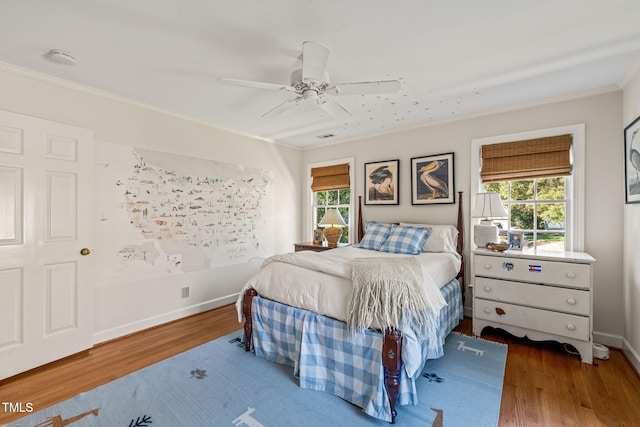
(392, 362)
(460, 247)
(248, 323)
(360, 224)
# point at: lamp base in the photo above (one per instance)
(485, 232)
(332, 234)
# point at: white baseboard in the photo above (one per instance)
(468, 312)
(142, 324)
(631, 354)
(609, 340)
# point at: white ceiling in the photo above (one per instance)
(454, 58)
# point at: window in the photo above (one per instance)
(340, 199)
(549, 209)
(536, 207)
(330, 187)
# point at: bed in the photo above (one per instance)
(311, 310)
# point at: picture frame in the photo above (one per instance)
(516, 240)
(318, 236)
(381, 182)
(432, 179)
(632, 162)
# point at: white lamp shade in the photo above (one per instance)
(332, 218)
(488, 205)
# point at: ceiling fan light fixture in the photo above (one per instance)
(310, 94)
(61, 57)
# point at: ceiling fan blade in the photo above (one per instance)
(366, 88)
(314, 61)
(252, 84)
(281, 108)
(334, 109)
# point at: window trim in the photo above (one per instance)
(575, 235)
(308, 226)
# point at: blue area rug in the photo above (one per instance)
(219, 384)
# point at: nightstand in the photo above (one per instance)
(316, 247)
(543, 296)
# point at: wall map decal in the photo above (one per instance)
(165, 213)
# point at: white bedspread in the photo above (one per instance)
(321, 281)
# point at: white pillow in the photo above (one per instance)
(442, 238)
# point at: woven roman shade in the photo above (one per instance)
(335, 177)
(531, 158)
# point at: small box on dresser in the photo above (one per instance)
(543, 296)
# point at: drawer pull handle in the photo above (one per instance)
(571, 301)
(487, 310)
(571, 327)
(487, 266)
(487, 288)
(500, 311)
(571, 275)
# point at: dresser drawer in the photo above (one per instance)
(573, 301)
(566, 325)
(534, 271)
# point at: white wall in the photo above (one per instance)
(616, 302)
(137, 305)
(602, 115)
(631, 236)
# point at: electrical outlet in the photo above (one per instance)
(185, 292)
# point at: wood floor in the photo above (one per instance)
(543, 385)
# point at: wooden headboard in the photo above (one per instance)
(460, 243)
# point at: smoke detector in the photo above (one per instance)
(61, 57)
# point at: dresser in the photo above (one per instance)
(543, 296)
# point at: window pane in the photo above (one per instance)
(550, 216)
(522, 190)
(321, 198)
(528, 240)
(345, 197)
(522, 216)
(501, 188)
(551, 188)
(345, 235)
(319, 214)
(332, 198)
(550, 241)
(503, 224)
(344, 213)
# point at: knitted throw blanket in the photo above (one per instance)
(389, 293)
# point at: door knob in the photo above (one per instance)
(85, 251)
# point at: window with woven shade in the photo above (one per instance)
(331, 188)
(534, 179)
(540, 177)
(533, 158)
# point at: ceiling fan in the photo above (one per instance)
(311, 85)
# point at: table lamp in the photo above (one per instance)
(333, 222)
(488, 206)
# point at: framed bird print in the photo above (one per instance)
(632, 162)
(432, 180)
(381, 182)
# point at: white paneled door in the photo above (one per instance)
(46, 200)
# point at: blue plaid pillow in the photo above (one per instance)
(375, 236)
(405, 240)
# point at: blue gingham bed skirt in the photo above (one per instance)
(327, 357)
